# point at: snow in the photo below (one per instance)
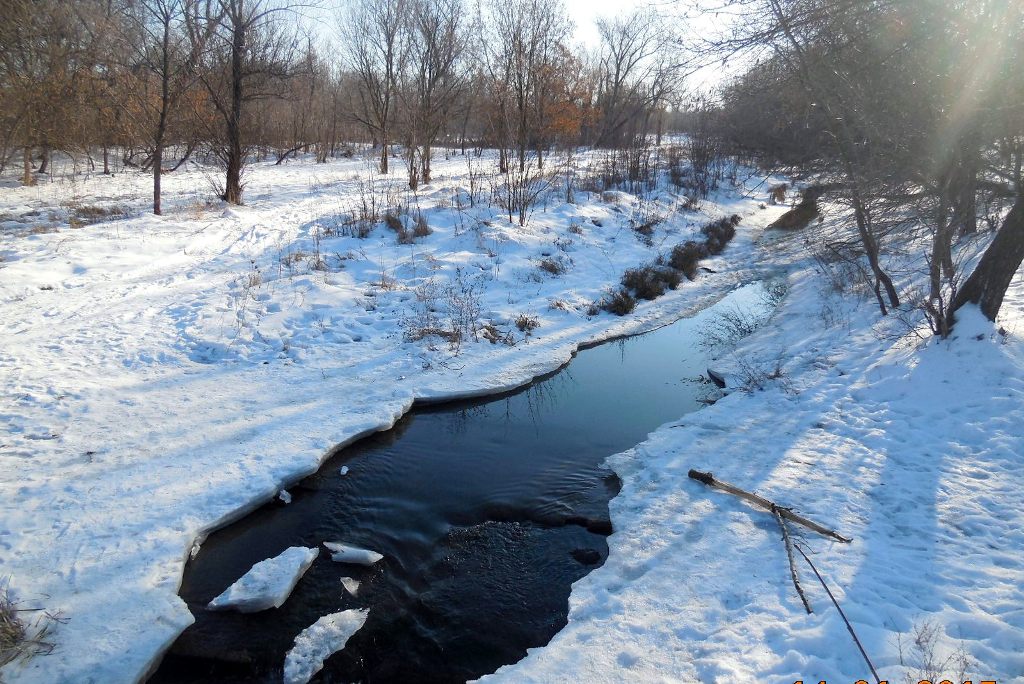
(284, 496)
(343, 553)
(268, 584)
(912, 446)
(319, 641)
(163, 376)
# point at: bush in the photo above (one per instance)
(686, 257)
(421, 228)
(552, 266)
(619, 303)
(651, 281)
(719, 233)
(526, 323)
(393, 222)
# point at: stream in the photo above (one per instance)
(486, 512)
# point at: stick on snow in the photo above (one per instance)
(770, 506)
(792, 563)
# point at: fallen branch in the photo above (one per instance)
(709, 480)
(792, 563)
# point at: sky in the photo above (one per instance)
(584, 12)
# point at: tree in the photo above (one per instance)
(373, 38)
(522, 40)
(637, 73)
(433, 80)
(169, 39)
(251, 57)
(48, 52)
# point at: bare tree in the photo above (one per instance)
(48, 53)
(521, 41)
(639, 70)
(433, 79)
(168, 39)
(372, 34)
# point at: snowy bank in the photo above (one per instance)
(163, 376)
(912, 446)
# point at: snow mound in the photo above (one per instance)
(343, 553)
(318, 642)
(268, 584)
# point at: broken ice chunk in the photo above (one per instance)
(351, 585)
(268, 583)
(318, 642)
(343, 553)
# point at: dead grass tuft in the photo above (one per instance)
(20, 640)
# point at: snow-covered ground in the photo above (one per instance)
(912, 446)
(162, 376)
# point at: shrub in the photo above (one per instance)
(719, 233)
(392, 221)
(619, 303)
(421, 228)
(651, 281)
(526, 323)
(686, 257)
(552, 266)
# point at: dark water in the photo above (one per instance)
(486, 512)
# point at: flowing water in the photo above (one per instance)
(486, 512)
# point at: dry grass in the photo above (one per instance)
(552, 266)
(20, 640)
(526, 323)
(620, 302)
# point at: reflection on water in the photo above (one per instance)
(486, 512)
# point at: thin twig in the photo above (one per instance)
(792, 563)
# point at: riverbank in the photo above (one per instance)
(164, 375)
(910, 445)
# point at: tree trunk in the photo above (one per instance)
(425, 163)
(27, 177)
(44, 160)
(106, 160)
(384, 153)
(871, 248)
(158, 158)
(412, 168)
(987, 285)
(233, 180)
(942, 251)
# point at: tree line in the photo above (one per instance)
(157, 81)
(912, 111)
